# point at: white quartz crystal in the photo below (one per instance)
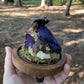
(30, 50)
(43, 55)
(40, 46)
(47, 48)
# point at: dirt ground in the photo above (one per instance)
(69, 31)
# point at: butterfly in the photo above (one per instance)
(29, 40)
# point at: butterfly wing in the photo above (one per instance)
(37, 43)
(27, 43)
(29, 38)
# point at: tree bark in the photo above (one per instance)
(44, 3)
(68, 8)
(50, 3)
(18, 3)
(64, 2)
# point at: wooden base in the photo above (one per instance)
(38, 70)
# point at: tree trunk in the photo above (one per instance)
(68, 8)
(64, 2)
(18, 3)
(6, 1)
(50, 3)
(44, 3)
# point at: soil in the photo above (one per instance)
(69, 31)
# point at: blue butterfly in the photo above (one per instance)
(29, 40)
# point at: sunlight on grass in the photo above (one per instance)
(58, 33)
(16, 42)
(18, 14)
(80, 11)
(71, 73)
(73, 69)
(79, 74)
(73, 30)
(73, 42)
(4, 14)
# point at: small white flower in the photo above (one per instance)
(47, 48)
(43, 55)
(30, 50)
(40, 46)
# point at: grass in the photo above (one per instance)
(19, 19)
(39, 1)
(4, 14)
(7, 21)
(2, 27)
(82, 2)
(31, 2)
(4, 42)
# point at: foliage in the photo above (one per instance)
(39, 1)
(82, 1)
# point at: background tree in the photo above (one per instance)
(82, 2)
(43, 3)
(64, 2)
(50, 2)
(18, 3)
(68, 7)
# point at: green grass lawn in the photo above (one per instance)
(39, 1)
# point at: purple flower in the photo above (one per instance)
(37, 43)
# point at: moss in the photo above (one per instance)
(28, 54)
(26, 51)
(54, 56)
(35, 37)
(22, 52)
(40, 61)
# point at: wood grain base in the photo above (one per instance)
(39, 70)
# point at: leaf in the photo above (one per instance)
(42, 61)
(28, 54)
